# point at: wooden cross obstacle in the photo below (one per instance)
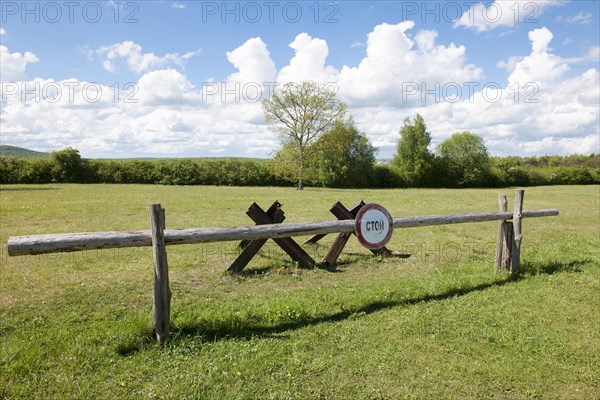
(274, 215)
(342, 213)
(507, 252)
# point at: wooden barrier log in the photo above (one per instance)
(67, 242)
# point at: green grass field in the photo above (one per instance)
(436, 325)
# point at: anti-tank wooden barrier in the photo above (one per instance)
(342, 213)
(507, 252)
(274, 215)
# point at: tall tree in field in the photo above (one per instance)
(343, 157)
(68, 166)
(300, 113)
(465, 160)
(413, 160)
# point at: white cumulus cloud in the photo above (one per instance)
(541, 110)
(541, 65)
(543, 107)
(12, 65)
(138, 61)
(394, 62)
(253, 61)
(308, 62)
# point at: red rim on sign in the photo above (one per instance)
(373, 226)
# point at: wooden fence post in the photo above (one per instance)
(503, 206)
(161, 308)
(518, 235)
(507, 242)
(504, 242)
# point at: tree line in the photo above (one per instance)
(321, 146)
(337, 168)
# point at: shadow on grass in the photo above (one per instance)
(541, 268)
(245, 330)
(290, 267)
(352, 258)
(276, 266)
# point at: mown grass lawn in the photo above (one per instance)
(437, 324)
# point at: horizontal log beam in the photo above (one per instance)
(68, 242)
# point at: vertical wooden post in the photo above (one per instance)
(518, 235)
(503, 206)
(161, 309)
(507, 243)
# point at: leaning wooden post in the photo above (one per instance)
(518, 235)
(161, 309)
(507, 243)
(504, 241)
(503, 206)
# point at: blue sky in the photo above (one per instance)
(523, 74)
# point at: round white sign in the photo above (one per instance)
(373, 226)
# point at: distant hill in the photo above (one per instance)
(19, 152)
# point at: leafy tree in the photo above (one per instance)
(464, 160)
(68, 165)
(300, 113)
(343, 157)
(284, 163)
(413, 160)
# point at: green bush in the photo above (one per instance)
(463, 161)
(517, 176)
(386, 177)
(179, 172)
(575, 176)
(68, 166)
(37, 170)
(10, 168)
(343, 157)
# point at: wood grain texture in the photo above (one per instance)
(517, 233)
(334, 210)
(67, 242)
(161, 309)
(503, 206)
